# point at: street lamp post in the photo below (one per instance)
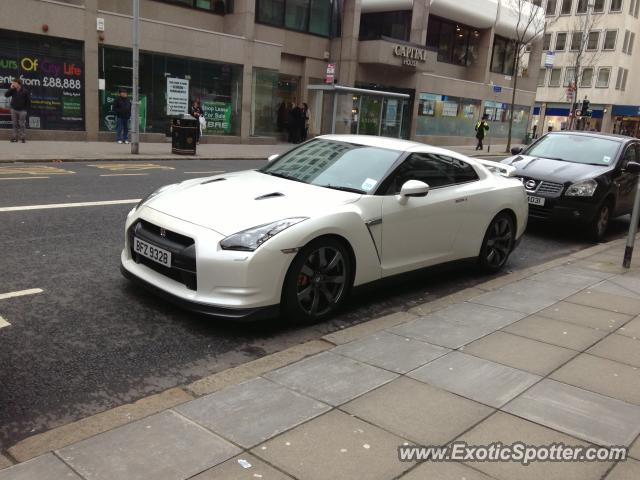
(135, 104)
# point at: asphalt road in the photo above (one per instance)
(91, 341)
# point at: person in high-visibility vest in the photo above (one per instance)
(482, 127)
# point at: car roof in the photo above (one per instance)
(608, 136)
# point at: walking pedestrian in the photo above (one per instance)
(482, 127)
(122, 107)
(196, 112)
(20, 103)
(293, 115)
(305, 116)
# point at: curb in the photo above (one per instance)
(62, 436)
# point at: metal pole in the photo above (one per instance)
(335, 111)
(135, 106)
(633, 228)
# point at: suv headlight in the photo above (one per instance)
(250, 239)
(582, 189)
(154, 194)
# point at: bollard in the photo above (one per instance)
(632, 167)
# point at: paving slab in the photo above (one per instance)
(481, 380)
(335, 446)
(47, 466)
(163, 446)
(614, 288)
(391, 352)
(243, 467)
(630, 281)
(586, 316)
(527, 296)
(631, 329)
(634, 451)
(253, 411)
(486, 316)
(331, 378)
(604, 265)
(5, 462)
(556, 332)
(590, 416)
(619, 348)
(603, 376)
(418, 412)
(509, 429)
(519, 352)
(571, 275)
(444, 471)
(627, 470)
(366, 328)
(606, 301)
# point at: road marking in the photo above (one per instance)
(21, 178)
(212, 171)
(20, 293)
(122, 174)
(115, 167)
(34, 170)
(68, 205)
(4, 323)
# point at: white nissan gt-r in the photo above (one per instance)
(336, 212)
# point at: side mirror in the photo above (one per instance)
(272, 157)
(633, 167)
(516, 150)
(412, 188)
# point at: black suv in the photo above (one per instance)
(578, 176)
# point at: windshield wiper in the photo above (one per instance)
(553, 158)
(344, 189)
(283, 175)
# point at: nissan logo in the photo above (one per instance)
(530, 184)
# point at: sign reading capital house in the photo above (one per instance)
(410, 55)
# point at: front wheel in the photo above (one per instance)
(598, 227)
(498, 243)
(318, 281)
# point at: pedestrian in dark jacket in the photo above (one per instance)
(195, 110)
(293, 123)
(122, 108)
(482, 127)
(305, 121)
(20, 103)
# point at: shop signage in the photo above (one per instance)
(330, 76)
(56, 86)
(217, 116)
(177, 96)
(549, 59)
(410, 55)
(108, 116)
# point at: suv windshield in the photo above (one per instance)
(331, 164)
(576, 148)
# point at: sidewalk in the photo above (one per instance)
(38, 151)
(550, 354)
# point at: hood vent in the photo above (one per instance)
(269, 195)
(213, 180)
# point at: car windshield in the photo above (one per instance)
(576, 148)
(338, 165)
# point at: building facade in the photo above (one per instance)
(421, 69)
(607, 30)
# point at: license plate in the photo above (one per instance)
(159, 255)
(535, 200)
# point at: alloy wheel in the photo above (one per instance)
(603, 221)
(499, 242)
(321, 281)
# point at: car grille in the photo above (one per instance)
(550, 188)
(182, 248)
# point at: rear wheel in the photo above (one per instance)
(498, 243)
(598, 227)
(318, 281)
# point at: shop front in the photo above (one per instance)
(556, 117)
(626, 119)
(52, 70)
(273, 95)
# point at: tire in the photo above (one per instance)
(497, 244)
(597, 229)
(318, 282)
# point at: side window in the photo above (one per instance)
(629, 155)
(432, 169)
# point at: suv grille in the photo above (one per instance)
(550, 188)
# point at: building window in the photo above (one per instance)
(603, 77)
(565, 9)
(537, 3)
(295, 15)
(632, 39)
(632, 6)
(374, 26)
(542, 77)
(582, 6)
(569, 76)
(623, 87)
(455, 43)
(214, 6)
(593, 41)
(610, 40)
(503, 56)
(587, 77)
(619, 78)
(546, 42)
(598, 6)
(554, 79)
(561, 41)
(636, 9)
(616, 6)
(625, 42)
(576, 41)
(552, 6)
(446, 115)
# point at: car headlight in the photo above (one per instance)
(250, 239)
(582, 189)
(153, 194)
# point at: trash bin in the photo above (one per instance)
(183, 135)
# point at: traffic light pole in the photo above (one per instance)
(135, 105)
